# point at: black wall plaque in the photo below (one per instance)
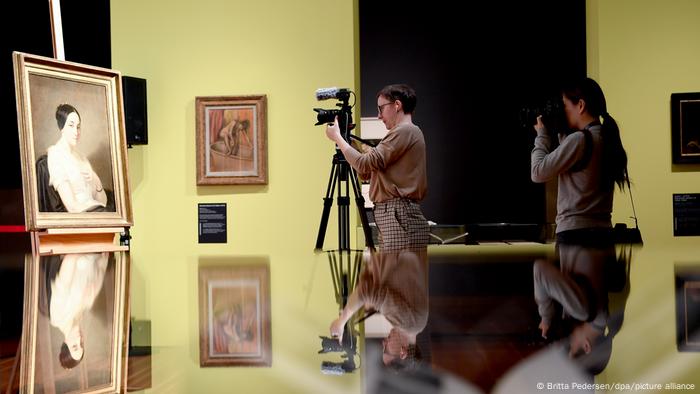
(686, 214)
(212, 223)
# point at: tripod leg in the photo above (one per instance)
(327, 203)
(360, 201)
(343, 216)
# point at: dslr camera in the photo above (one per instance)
(552, 112)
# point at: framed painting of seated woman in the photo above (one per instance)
(73, 145)
(231, 140)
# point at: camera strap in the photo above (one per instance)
(587, 149)
(583, 163)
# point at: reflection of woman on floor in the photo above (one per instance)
(70, 173)
(73, 291)
(589, 275)
(394, 284)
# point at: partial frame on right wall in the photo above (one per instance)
(687, 283)
(685, 128)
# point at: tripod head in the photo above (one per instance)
(344, 114)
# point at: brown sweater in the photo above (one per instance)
(397, 165)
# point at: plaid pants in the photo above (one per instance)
(401, 225)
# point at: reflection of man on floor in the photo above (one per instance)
(73, 292)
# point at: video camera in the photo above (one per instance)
(349, 350)
(344, 114)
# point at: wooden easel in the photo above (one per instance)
(78, 240)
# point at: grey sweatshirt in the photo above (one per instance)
(582, 202)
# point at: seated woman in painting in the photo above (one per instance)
(72, 184)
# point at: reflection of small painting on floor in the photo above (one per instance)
(234, 314)
(692, 296)
(236, 328)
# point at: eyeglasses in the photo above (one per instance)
(381, 107)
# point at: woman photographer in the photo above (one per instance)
(588, 163)
(397, 168)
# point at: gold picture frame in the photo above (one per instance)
(234, 316)
(72, 144)
(76, 326)
(231, 140)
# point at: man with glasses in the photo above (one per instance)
(396, 168)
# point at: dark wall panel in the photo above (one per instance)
(27, 30)
(473, 71)
(86, 34)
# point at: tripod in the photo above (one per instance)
(344, 282)
(342, 175)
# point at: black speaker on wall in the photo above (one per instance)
(135, 114)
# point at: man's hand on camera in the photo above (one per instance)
(539, 126)
(333, 131)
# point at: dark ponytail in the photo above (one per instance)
(614, 155)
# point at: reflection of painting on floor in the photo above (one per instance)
(687, 280)
(232, 148)
(236, 319)
(95, 279)
(692, 306)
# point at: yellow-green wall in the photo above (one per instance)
(641, 51)
(285, 50)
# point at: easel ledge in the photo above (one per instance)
(77, 240)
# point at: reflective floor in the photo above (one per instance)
(579, 316)
(522, 318)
